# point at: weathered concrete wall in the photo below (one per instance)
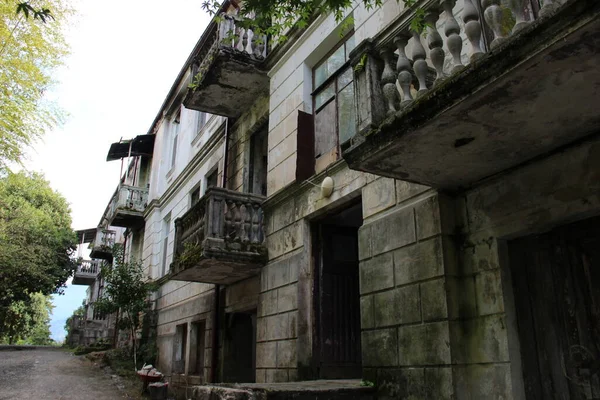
(292, 82)
(402, 222)
(532, 199)
(285, 316)
(404, 248)
(238, 161)
(178, 304)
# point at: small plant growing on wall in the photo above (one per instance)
(125, 292)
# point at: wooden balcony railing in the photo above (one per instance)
(220, 239)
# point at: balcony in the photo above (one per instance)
(86, 273)
(126, 208)
(102, 247)
(526, 83)
(220, 239)
(227, 72)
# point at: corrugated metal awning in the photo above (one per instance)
(142, 145)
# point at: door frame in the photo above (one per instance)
(316, 252)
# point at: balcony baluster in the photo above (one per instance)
(403, 68)
(453, 39)
(420, 65)
(435, 43)
(472, 28)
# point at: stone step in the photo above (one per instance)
(306, 390)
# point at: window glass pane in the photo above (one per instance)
(325, 137)
(346, 113)
(321, 74)
(350, 45)
(345, 78)
(336, 60)
(324, 95)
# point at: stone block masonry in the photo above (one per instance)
(276, 348)
(404, 309)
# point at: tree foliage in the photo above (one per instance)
(36, 240)
(32, 45)
(28, 322)
(125, 291)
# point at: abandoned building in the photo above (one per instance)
(417, 210)
(92, 326)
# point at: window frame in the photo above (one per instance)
(331, 79)
(175, 126)
(201, 120)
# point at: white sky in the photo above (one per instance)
(125, 55)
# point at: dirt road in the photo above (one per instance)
(46, 373)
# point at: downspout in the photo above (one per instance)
(216, 322)
(226, 155)
(215, 337)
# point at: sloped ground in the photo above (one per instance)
(51, 373)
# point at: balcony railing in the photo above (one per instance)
(220, 239)
(86, 273)
(227, 73)
(126, 208)
(501, 93)
(96, 315)
(103, 244)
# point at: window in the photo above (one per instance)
(197, 345)
(212, 179)
(195, 195)
(335, 120)
(258, 163)
(175, 122)
(200, 120)
(179, 349)
(165, 244)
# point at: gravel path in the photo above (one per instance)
(46, 373)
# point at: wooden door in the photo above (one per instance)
(340, 353)
(556, 278)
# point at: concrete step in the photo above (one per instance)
(307, 390)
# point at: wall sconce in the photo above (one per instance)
(327, 187)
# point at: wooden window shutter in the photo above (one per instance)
(305, 155)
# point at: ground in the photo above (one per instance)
(53, 373)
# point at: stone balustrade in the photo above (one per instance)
(407, 64)
(103, 244)
(126, 207)
(88, 267)
(231, 45)
(232, 34)
(96, 315)
(86, 272)
(221, 238)
(131, 198)
(452, 92)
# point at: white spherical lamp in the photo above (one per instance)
(327, 187)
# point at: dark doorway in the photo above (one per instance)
(239, 347)
(556, 280)
(337, 298)
(258, 163)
